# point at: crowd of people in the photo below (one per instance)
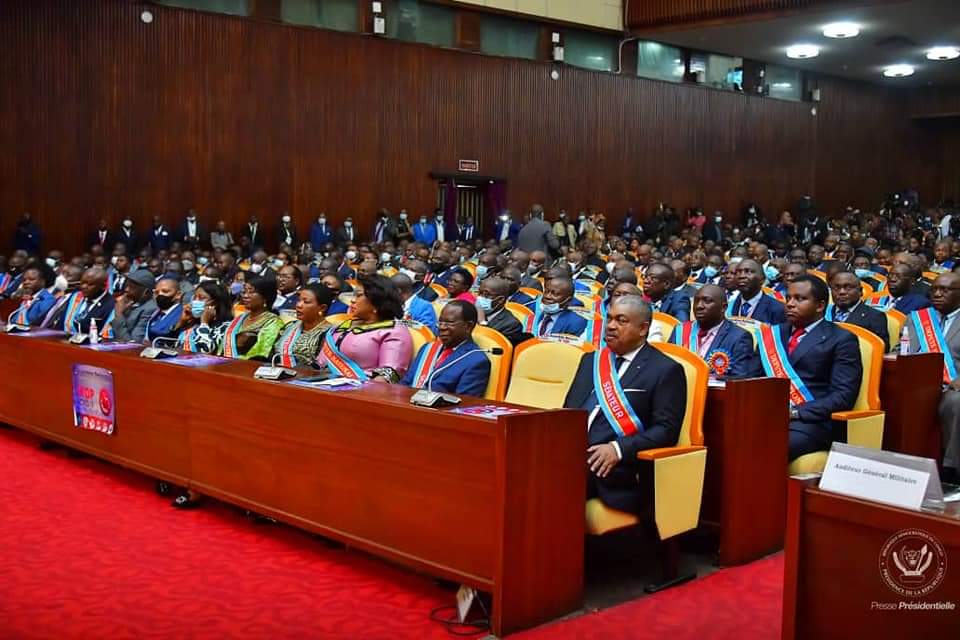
(341, 300)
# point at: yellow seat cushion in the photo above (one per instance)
(602, 519)
(809, 463)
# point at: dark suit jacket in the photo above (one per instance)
(128, 238)
(504, 322)
(737, 343)
(281, 234)
(111, 239)
(712, 231)
(389, 231)
(100, 310)
(869, 318)
(341, 239)
(828, 362)
(768, 310)
(911, 302)
(676, 304)
(567, 322)
(182, 232)
(258, 237)
(425, 292)
(656, 389)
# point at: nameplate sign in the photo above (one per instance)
(858, 476)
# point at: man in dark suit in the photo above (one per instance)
(416, 270)
(726, 348)
(492, 301)
(454, 363)
(750, 301)
(103, 237)
(128, 236)
(97, 302)
(346, 234)
(654, 387)
(713, 230)
(555, 316)
(253, 233)
(658, 287)
(847, 307)
(681, 278)
(384, 230)
(506, 229)
(190, 232)
(900, 281)
(287, 231)
(159, 237)
(825, 359)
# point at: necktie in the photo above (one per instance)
(795, 340)
(443, 356)
(943, 322)
(745, 309)
(617, 363)
(841, 315)
(701, 338)
(545, 325)
(591, 402)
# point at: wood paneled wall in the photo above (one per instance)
(103, 115)
(655, 13)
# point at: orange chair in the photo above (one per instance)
(661, 327)
(485, 337)
(441, 290)
(530, 291)
(420, 335)
(895, 322)
(523, 314)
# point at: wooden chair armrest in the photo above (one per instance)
(666, 452)
(844, 416)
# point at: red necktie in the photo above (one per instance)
(794, 340)
(701, 338)
(443, 356)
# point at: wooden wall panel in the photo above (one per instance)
(651, 13)
(102, 115)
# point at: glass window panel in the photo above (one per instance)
(720, 72)
(507, 37)
(660, 61)
(590, 50)
(784, 83)
(420, 22)
(341, 15)
(233, 7)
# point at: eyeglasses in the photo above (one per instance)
(448, 323)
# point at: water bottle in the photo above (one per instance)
(904, 342)
(94, 333)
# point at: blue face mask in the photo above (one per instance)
(484, 304)
(197, 307)
(863, 273)
(771, 273)
(551, 308)
(236, 288)
(482, 271)
(710, 272)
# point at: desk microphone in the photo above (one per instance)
(153, 352)
(273, 372)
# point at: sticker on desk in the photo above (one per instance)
(332, 384)
(94, 406)
(489, 411)
(37, 333)
(111, 346)
(196, 360)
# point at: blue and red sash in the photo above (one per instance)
(426, 363)
(106, 331)
(604, 312)
(611, 398)
(5, 281)
(19, 315)
(828, 314)
(188, 340)
(777, 364)
(881, 301)
(74, 303)
(688, 335)
(926, 326)
(338, 363)
(537, 316)
(732, 304)
(230, 349)
(287, 340)
(593, 332)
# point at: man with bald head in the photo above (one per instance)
(623, 271)
(750, 301)
(848, 307)
(494, 293)
(725, 347)
(653, 386)
(415, 308)
(658, 287)
(937, 329)
(97, 304)
(533, 270)
(552, 314)
(900, 282)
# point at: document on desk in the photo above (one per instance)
(111, 346)
(489, 411)
(332, 384)
(196, 360)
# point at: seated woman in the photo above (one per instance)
(371, 345)
(251, 334)
(459, 284)
(35, 300)
(454, 363)
(300, 341)
(202, 329)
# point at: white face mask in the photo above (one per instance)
(573, 266)
(410, 274)
(127, 223)
(61, 284)
(423, 221)
(403, 216)
(610, 266)
(51, 263)
(385, 257)
(114, 260)
(351, 255)
(256, 267)
(322, 220)
(286, 218)
(347, 224)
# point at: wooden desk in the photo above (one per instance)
(7, 306)
(910, 395)
(745, 429)
(497, 505)
(832, 577)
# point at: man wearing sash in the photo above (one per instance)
(454, 363)
(726, 348)
(415, 308)
(635, 399)
(35, 299)
(97, 304)
(821, 361)
(900, 284)
(551, 312)
(937, 329)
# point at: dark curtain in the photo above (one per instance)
(450, 210)
(495, 204)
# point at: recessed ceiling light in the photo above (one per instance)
(898, 71)
(841, 30)
(802, 51)
(943, 53)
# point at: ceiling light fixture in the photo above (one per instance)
(898, 71)
(943, 53)
(842, 30)
(803, 51)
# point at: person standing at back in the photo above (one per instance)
(537, 234)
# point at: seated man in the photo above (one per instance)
(289, 283)
(135, 307)
(727, 348)
(513, 277)
(415, 308)
(659, 291)
(35, 299)
(551, 312)
(454, 363)
(492, 302)
(416, 270)
(750, 300)
(165, 321)
(847, 307)
(821, 361)
(653, 388)
(900, 284)
(937, 330)
(97, 304)
(69, 299)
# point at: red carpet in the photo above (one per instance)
(87, 550)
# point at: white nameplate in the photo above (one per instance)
(874, 480)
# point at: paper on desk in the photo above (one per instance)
(333, 384)
(490, 411)
(717, 384)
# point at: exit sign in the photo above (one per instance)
(470, 165)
